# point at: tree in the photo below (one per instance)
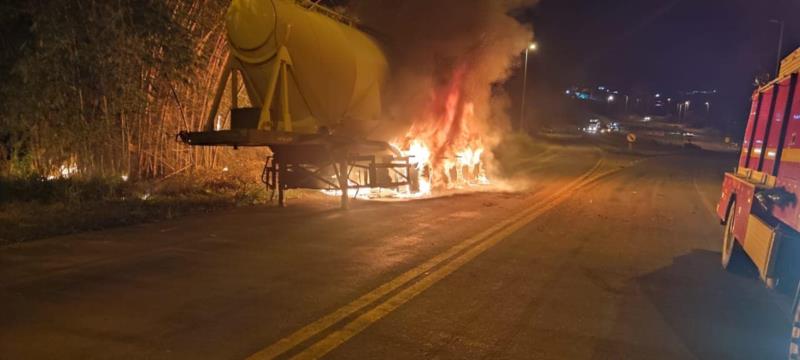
(106, 84)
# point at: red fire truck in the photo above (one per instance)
(759, 203)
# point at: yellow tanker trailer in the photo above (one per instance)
(314, 82)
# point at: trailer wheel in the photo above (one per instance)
(728, 239)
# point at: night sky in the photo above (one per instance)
(659, 45)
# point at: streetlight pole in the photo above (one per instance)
(782, 25)
(626, 104)
(686, 106)
(531, 47)
(610, 101)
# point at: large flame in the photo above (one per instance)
(442, 145)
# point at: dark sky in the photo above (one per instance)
(660, 45)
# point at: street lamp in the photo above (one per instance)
(780, 45)
(531, 47)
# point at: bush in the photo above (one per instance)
(37, 189)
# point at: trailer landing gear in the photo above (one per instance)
(337, 171)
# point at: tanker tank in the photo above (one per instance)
(314, 82)
(335, 71)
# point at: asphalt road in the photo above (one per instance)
(601, 256)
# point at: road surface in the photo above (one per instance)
(601, 256)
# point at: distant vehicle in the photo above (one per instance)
(647, 119)
(593, 127)
(759, 202)
(596, 126)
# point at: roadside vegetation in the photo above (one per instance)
(36, 207)
(92, 97)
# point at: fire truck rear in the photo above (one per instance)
(759, 203)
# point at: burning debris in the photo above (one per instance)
(447, 152)
(446, 58)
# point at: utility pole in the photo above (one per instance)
(531, 47)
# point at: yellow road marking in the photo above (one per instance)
(339, 337)
(484, 241)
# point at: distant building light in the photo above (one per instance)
(658, 95)
(568, 92)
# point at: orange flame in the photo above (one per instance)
(440, 142)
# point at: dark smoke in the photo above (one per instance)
(430, 43)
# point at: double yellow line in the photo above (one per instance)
(416, 280)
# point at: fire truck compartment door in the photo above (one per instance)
(760, 245)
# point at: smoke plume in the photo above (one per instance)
(447, 58)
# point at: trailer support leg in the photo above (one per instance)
(226, 73)
(344, 183)
(280, 184)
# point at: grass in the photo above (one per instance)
(34, 208)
